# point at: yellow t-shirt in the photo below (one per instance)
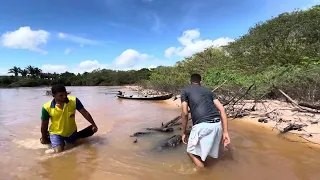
(62, 120)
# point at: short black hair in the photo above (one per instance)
(58, 88)
(195, 78)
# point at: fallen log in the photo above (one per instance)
(291, 127)
(295, 103)
(312, 106)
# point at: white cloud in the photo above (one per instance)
(4, 71)
(49, 68)
(129, 58)
(67, 51)
(84, 66)
(88, 66)
(25, 38)
(76, 39)
(169, 52)
(191, 44)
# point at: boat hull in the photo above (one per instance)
(165, 97)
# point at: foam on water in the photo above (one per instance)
(30, 144)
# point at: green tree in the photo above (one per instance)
(15, 70)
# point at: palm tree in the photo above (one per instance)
(15, 70)
(31, 70)
(23, 72)
(37, 72)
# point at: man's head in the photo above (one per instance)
(195, 79)
(59, 92)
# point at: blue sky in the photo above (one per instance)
(82, 35)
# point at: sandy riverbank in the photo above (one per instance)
(272, 114)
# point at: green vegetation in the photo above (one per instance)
(283, 52)
(33, 76)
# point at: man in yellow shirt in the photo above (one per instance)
(61, 111)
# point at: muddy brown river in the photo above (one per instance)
(257, 153)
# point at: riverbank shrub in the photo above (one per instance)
(282, 52)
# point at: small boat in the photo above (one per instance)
(158, 97)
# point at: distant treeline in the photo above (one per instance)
(33, 76)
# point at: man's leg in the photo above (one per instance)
(71, 140)
(196, 160)
(57, 144)
(192, 151)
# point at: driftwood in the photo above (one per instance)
(219, 86)
(301, 108)
(312, 106)
(238, 93)
(291, 127)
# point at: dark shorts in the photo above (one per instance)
(57, 140)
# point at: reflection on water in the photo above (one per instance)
(111, 153)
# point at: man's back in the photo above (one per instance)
(200, 101)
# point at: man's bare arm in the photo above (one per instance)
(223, 115)
(44, 128)
(184, 116)
(45, 117)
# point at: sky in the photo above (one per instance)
(83, 35)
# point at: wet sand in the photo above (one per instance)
(257, 153)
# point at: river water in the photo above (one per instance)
(257, 154)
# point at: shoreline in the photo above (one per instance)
(274, 115)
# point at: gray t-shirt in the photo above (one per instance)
(200, 101)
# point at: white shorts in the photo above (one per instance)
(205, 140)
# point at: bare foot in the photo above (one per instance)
(49, 151)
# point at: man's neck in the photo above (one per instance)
(59, 102)
(196, 84)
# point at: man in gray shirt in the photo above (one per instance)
(207, 113)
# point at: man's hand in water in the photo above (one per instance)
(225, 139)
(45, 140)
(184, 138)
